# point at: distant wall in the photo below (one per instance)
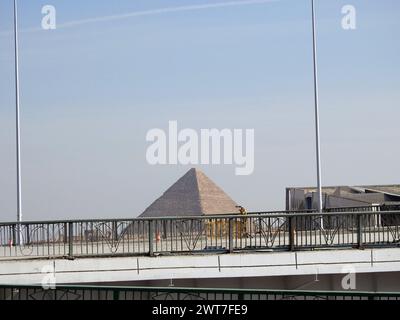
(296, 200)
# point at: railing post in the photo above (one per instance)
(115, 230)
(292, 226)
(65, 232)
(359, 231)
(151, 232)
(13, 235)
(28, 235)
(70, 240)
(230, 235)
(115, 294)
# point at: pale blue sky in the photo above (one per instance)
(90, 92)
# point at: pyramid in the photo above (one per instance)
(194, 194)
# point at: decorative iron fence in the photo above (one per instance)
(205, 234)
(173, 293)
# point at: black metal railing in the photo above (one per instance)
(174, 293)
(206, 234)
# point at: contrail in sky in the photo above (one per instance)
(165, 10)
(149, 13)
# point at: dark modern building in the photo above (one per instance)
(380, 196)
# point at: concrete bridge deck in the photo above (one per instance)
(254, 264)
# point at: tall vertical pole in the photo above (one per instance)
(318, 145)
(17, 126)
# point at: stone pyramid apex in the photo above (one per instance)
(194, 194)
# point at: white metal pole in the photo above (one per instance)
(18, 128)
(317, 135)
